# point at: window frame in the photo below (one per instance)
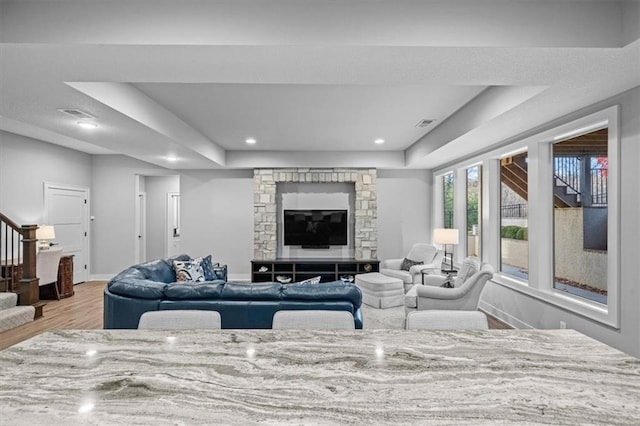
(540, 180)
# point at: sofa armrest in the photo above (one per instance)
(391, 264)
(430, 268)
(434, 280)
(441, 293)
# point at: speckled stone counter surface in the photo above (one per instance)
(129, 377)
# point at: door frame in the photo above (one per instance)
(86, 245)
(140, 231)
(168, 225)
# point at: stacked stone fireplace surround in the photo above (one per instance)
(265, 227)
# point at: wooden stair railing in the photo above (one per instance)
(18, 260)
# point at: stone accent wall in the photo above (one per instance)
(265, 243)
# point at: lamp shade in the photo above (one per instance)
(445, 236)
(45, 232)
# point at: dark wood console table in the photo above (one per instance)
(65, 276)
(301, 269)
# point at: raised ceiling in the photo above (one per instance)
(315, 82)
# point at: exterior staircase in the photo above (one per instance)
(13, 315)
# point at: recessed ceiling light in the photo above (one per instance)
(379, 141)
(250, 141)
(87, 125)
(172, 158)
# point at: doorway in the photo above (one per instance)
(157, 232)
(66, 207)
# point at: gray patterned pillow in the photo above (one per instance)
(408, 263)
(188, 270)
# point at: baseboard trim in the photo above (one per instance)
(101, 277)
(503, 316)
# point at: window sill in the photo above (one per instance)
(585, 308)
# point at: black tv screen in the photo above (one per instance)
(315, 228)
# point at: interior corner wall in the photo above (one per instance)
(404, 213)
(216, 208)
(157, 188)
(524, 311)
(113, 206)
(25, 164)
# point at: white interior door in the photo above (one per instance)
(67, 209)
(173, 224)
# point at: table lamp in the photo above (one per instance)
(44, 233)
(446, 236)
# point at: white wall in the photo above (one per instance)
(22, 182)
(525, 311)
(157, 188)
(113, 205)
(404, 213)
(217, 217)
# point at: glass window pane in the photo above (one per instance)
(474, 202)
(580, 168)
(514, 207)
(447, 185)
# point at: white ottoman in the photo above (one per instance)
(446, 320)
(380, 291)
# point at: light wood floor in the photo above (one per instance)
(83, 311)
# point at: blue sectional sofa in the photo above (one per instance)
(151, 286)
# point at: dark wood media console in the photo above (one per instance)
(303, 269)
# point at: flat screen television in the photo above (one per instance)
(315, 228)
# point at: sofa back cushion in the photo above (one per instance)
(469, 266)
(194, 290)
(251, 291)
(137, 288)
(160, 270)
(334, 290)
(422, 252)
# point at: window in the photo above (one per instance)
(580, 212)
(447, 197)
(566, 255)
(514, 226)
(474, 203)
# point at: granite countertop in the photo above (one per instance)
(317, 377)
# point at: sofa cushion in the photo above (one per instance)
(251, 291)
(334, 290)
(194, 290)
(160, 270)
(137, 288)
(469, 266)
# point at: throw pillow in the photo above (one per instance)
(189, 270)
(408, 263)
(207, 269)
(314, 280)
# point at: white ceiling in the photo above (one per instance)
(314, 81)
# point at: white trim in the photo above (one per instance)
(101, 277)
(503, 316)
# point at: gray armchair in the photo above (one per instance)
(465, 295)
(430, 256)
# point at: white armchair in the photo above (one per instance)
(466, 293)
(47, 262)
(430, 256)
